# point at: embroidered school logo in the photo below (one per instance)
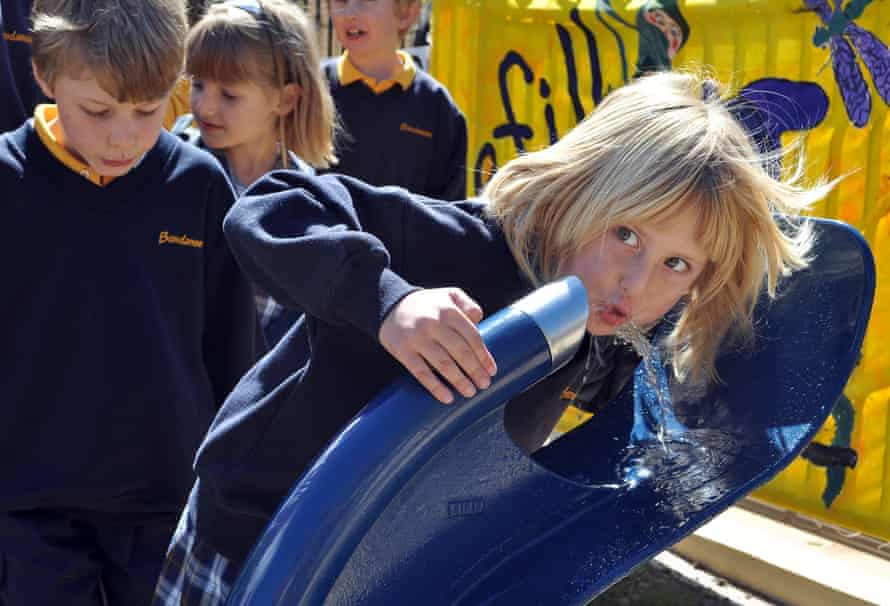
(183, 240)
(405, 127)
(17, 37)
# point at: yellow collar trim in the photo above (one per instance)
(348, 73)
(49, 129)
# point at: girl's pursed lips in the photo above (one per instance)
(611, 313)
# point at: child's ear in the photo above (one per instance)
(44, 86)
(287, 102)
(408, 15)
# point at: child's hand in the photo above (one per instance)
(436, 330)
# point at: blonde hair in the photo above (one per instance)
(278, 47)
(651, 146)
(134, 48)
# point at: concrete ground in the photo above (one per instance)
(669, 580)
(751, 546)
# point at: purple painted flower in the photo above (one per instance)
(848, 43)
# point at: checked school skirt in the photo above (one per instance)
(193, 574)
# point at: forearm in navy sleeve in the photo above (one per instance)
(299, 238)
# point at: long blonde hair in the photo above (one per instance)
(275, 48)
(662, 141)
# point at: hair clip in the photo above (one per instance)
(249, 6)
(710, 91)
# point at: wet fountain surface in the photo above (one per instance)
(678, 461)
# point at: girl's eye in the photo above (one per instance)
(627, 236)
(147, 113)
(677, 264)
(229, 96)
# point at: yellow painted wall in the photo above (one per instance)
(525, 71)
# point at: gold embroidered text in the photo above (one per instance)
(404, 126)
(183, 240)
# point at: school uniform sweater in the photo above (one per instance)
(125, 324)
(344, 252)
(411, 134)
(18, 89)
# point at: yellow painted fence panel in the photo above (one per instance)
(526, 71)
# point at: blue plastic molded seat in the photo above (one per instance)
(418, 503)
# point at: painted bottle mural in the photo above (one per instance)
(810, 71)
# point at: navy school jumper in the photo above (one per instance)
(18, 89)
(125, 324)
(345, 252)
(415, 138)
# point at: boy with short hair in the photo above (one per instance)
(402, 126)
(126, 320)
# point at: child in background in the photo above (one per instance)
(19, 93)
(657, 201)
(126, 319)
(402, 127)
(257, 95)
(259, 102)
